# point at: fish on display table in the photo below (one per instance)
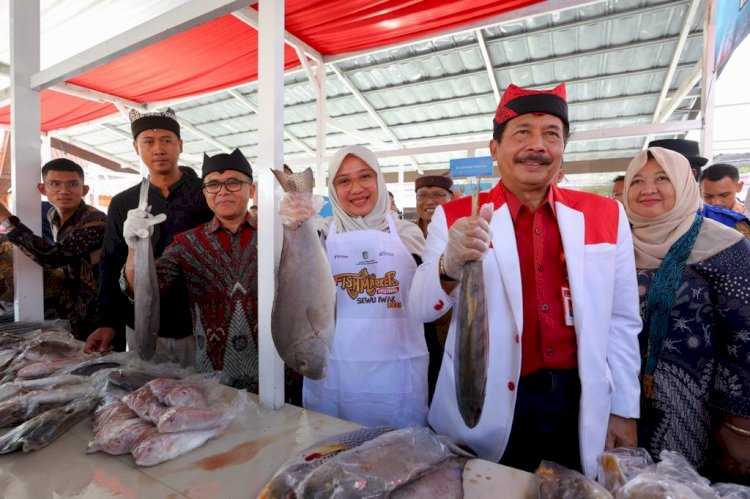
(157, 448)
(303, 319)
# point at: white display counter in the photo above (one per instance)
(236, 465)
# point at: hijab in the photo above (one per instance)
(654, 236)
(377, 219)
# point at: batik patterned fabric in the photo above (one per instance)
(704, 368)
(76, 252)
(221, 273)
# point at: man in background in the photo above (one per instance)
(618, 184)
(175, 191)
(720, 184)
(77, 236)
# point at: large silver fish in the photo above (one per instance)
(48, 426)
(471, 352)
(382, 466)
(303, 319)
(146, 292)
(299, 466)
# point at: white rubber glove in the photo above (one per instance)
(140, 225)
(468, 240)
(295, 208)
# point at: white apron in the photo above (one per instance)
(377, 371)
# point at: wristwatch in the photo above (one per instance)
(9, 222)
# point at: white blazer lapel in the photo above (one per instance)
(572, 231)
(506, 254)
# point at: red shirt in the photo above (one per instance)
(548, 343)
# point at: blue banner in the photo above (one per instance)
(471, 167)
(732, 26)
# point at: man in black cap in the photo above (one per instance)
(174, 191)
(563, 316)
(688, 148)
(432, 191)
(77, 231)
(218, 261)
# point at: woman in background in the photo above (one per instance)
(693, 276)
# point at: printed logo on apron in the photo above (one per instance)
(378, 289)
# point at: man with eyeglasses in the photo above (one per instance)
(218, 262)
(77, 231)
(432, 191)
(175, 191)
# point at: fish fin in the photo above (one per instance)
(295, 182)
(326, 450)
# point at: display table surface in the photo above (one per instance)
(235, 465)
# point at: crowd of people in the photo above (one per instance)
(621, 321)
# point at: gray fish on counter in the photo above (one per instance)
(555, 481)
(60, 395)
(442, 480)
(45, 428)
(92, 367)
(146, 289)
(296, 468)
(303, 319)
(9, 390)
(49, 382)
(381, 466)
(157, 448)
(46, 368)
(472, 340)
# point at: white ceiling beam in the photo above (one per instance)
(95, 95)
(177, 20)
(682, 91)
(487, 64)
(97, 151)
(687, 23)
(371, 111)
(365, 137)
(483, 145)
(250, 17)
(203, 135)
(252, 107)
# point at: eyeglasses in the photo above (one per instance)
(423, 196)
(232, 185)
(364, 180)
(57, 185)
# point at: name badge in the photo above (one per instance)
(568, 306)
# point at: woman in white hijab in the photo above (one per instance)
(692, 275)
(377, 371)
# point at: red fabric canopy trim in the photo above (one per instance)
(62, 111)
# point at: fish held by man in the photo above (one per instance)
(303, 317)
(472, 340)
(146, 289)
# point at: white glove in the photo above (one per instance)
(140, 225)
(468, 240)
(295, 208)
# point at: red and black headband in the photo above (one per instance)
(517, 101)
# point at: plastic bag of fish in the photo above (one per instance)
(555, 481)
(373, 462)
(166, 418)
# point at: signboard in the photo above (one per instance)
(732, 26)
(471, 167)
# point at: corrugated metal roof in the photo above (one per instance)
(613, 55)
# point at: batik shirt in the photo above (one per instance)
(76, 251)
(703, 372)
(220, 270)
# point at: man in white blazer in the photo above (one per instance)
(562, 301)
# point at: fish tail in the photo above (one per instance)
(295, 182)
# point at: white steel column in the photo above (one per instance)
(270, 155)
(709, 80)
(321, 171)
(25, 146)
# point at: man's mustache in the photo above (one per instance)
(542, 159)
